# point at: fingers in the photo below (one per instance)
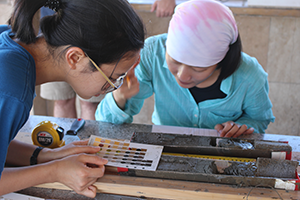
(227, 126)
(80, 177)
(93, 159)
(130, 88)
(231, 132)
(130, 77)
(130, 73)
(159, 13)
(166, 13)
(81, 142)
(90, 191)
(81, 146)
(93, 169)
(240, 130)
(84, 149)
(231, 129)
(93, 188)
(77, 147)
(137, 63)
(132, 84)
(219, 127)
(131, 70)
(153, 7)
(249, 131)
(164, 8)
(163, 13)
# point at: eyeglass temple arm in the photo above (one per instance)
(106, 78)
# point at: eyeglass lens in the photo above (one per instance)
(118, 83)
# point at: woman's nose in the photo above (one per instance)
(183, 73)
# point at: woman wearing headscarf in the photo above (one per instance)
(199, 75)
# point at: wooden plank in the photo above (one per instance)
(170, 189)
(153, 192)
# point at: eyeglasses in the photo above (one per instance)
(118, 82)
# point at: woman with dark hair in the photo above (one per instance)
(89, 44)
(199, 75)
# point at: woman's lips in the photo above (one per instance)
(183, 83)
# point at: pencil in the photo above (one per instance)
(134, 66)
(128, 81)
(115, 169)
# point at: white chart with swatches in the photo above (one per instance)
(122, 153)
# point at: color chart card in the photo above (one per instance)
(122, 153)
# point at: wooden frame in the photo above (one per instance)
(179, 190)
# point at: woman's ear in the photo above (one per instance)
(74, 56)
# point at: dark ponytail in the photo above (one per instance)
(231, 61)
(22, 18)
(104, 29)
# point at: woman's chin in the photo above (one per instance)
(85, 97)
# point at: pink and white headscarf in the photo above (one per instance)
(200, 33)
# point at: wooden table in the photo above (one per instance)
(151, 188)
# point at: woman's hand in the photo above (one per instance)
(231, 129)
(76, 147)
(164, 8)
(74, 172)
(130, 88)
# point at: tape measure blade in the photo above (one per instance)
(212, 157)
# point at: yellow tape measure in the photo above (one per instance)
(48, 134)
(212, 157)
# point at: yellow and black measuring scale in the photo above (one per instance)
(51, 135)
(211, 157)
(209, 147)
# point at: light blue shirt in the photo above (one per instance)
(247, 100)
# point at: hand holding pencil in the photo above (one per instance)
(129, 88)
(130, 74)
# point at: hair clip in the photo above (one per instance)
(53, 4)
